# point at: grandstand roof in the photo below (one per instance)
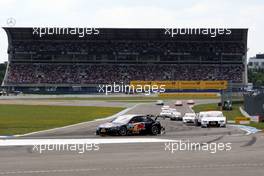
(129, 34)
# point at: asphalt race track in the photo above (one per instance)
(246, 157)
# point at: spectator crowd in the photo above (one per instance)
(22, 73)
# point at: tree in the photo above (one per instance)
(256, 77)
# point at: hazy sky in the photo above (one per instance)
(136, 13)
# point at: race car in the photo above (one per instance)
(190, 102)
(189, 118)
(212, 119)
(130, 124)
(171, 113)
(160, 102)
(165, 107)
(178, 103)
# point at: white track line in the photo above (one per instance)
(248, 129)
(29, 142)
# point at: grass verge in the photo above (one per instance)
(20, 119)
(230, 115)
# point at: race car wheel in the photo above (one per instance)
(197, 123)
(123, 131)
(155, 130)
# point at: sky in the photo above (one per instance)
(136, 13)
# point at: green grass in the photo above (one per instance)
(230, 115)
(257, 125)
(20, 119)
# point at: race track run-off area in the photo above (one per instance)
(134, 155)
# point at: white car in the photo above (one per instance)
(189, 118)
(199, 117)
(160, 102)
(171, 113)
(190, 102)
(212, 118)
(178, 103)
(165, 107)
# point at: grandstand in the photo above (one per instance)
(69, 63)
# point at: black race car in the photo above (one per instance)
(131, 124)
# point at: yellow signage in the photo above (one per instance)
(185, 85)
(214, 85)
(242, 120)
(189, 84)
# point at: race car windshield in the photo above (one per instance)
(190, 115)
(121, 119)
(212, 115)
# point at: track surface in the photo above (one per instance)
(246, 157)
